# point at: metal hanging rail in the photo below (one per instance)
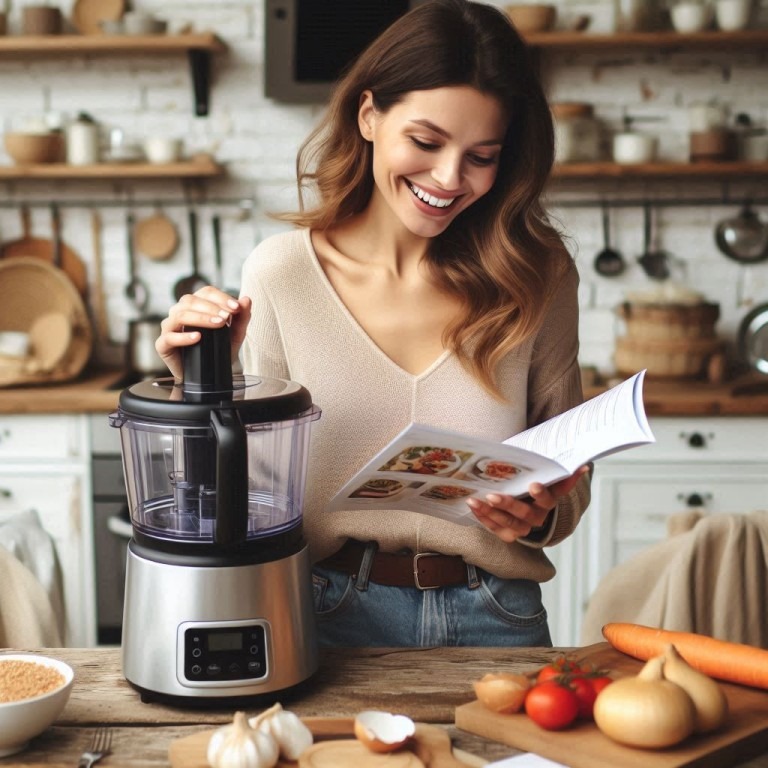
(243, 202)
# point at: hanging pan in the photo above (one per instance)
(743, 238)
(753, 339)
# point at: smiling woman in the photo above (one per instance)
(424, 283)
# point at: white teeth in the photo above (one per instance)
(436, 202)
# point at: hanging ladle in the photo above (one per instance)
(136, 290)
(609, 262)
(654, 261)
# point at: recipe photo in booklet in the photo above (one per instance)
(434, 471)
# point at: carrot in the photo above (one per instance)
(732, 662)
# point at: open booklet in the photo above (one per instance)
(434, 471)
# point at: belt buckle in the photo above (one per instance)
(416, 559)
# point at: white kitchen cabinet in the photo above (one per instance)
(45, 466)
(713, 464)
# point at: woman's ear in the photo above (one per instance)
(366, 115)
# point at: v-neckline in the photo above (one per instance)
(434, 365)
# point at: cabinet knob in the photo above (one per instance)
(697, 440)
(694, 499)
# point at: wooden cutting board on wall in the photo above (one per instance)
(745, 735)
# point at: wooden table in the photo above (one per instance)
(426, 684)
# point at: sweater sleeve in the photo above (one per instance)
(554, 386)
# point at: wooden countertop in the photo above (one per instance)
(745, 396)
(427, 684)
(91, 393)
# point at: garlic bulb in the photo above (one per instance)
(286, 728)
(240, 746)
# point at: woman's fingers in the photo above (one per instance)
(207, 308)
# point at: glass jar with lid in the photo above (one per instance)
(577, 132)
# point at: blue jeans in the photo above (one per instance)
(354, 612)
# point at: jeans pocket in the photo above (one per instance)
(515, 601)
(332, 591)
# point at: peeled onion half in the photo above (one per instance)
(383, 731)
(502, 692)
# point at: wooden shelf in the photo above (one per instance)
(199, 48)
(726, 170)
(25, 45)
(667, 40)
(50, 171)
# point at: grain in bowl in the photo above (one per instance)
(26, 679)
(34, 689)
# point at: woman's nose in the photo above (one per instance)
(447, 171)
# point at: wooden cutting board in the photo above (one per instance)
(336, 747)
(745, 735)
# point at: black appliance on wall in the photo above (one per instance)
(308, 43)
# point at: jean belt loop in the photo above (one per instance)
(361, 583)
(473, 578)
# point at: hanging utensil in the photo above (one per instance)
(609, 262)
(136, 289)
(743, 238)
(195, 281)
(156, 236)
(56, 229)
(218, 255)
(654, 261)
(98, 301)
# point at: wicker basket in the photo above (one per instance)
(658, 322)
(34, 293)
(673, 359)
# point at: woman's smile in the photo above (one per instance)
(428, 199)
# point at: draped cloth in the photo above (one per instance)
(710, 576)
(31, 595)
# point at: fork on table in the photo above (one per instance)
(99, 747)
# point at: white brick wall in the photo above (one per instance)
(257, 139)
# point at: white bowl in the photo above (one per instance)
(22, 720)
(690, 16)
(633, 148)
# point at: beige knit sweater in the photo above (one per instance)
(301, 330)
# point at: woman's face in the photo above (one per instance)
(434, 154)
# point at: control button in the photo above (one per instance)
(234, 668)
(254, 666)
(196, 669)
(213, 669)
(254, 650)
(197, 653)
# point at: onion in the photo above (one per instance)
(502, 692)
(383, 731)
(707, 696)
(645, 711)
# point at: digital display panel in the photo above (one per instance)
(225, 641)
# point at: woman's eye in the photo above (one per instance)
(427, 146)
(482, 160)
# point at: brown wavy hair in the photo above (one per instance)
(501, 257)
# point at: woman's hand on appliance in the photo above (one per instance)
(208, 307)
(511, 518)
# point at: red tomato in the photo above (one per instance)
(585, 694)
(551, 705)
(599, 682)
(559, 667)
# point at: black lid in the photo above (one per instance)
(209, 384)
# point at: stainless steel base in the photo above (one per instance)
(162, 602)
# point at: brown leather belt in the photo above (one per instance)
(424, 570)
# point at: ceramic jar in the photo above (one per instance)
(577, 133)
(82, 141)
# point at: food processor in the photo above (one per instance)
(218, 594)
